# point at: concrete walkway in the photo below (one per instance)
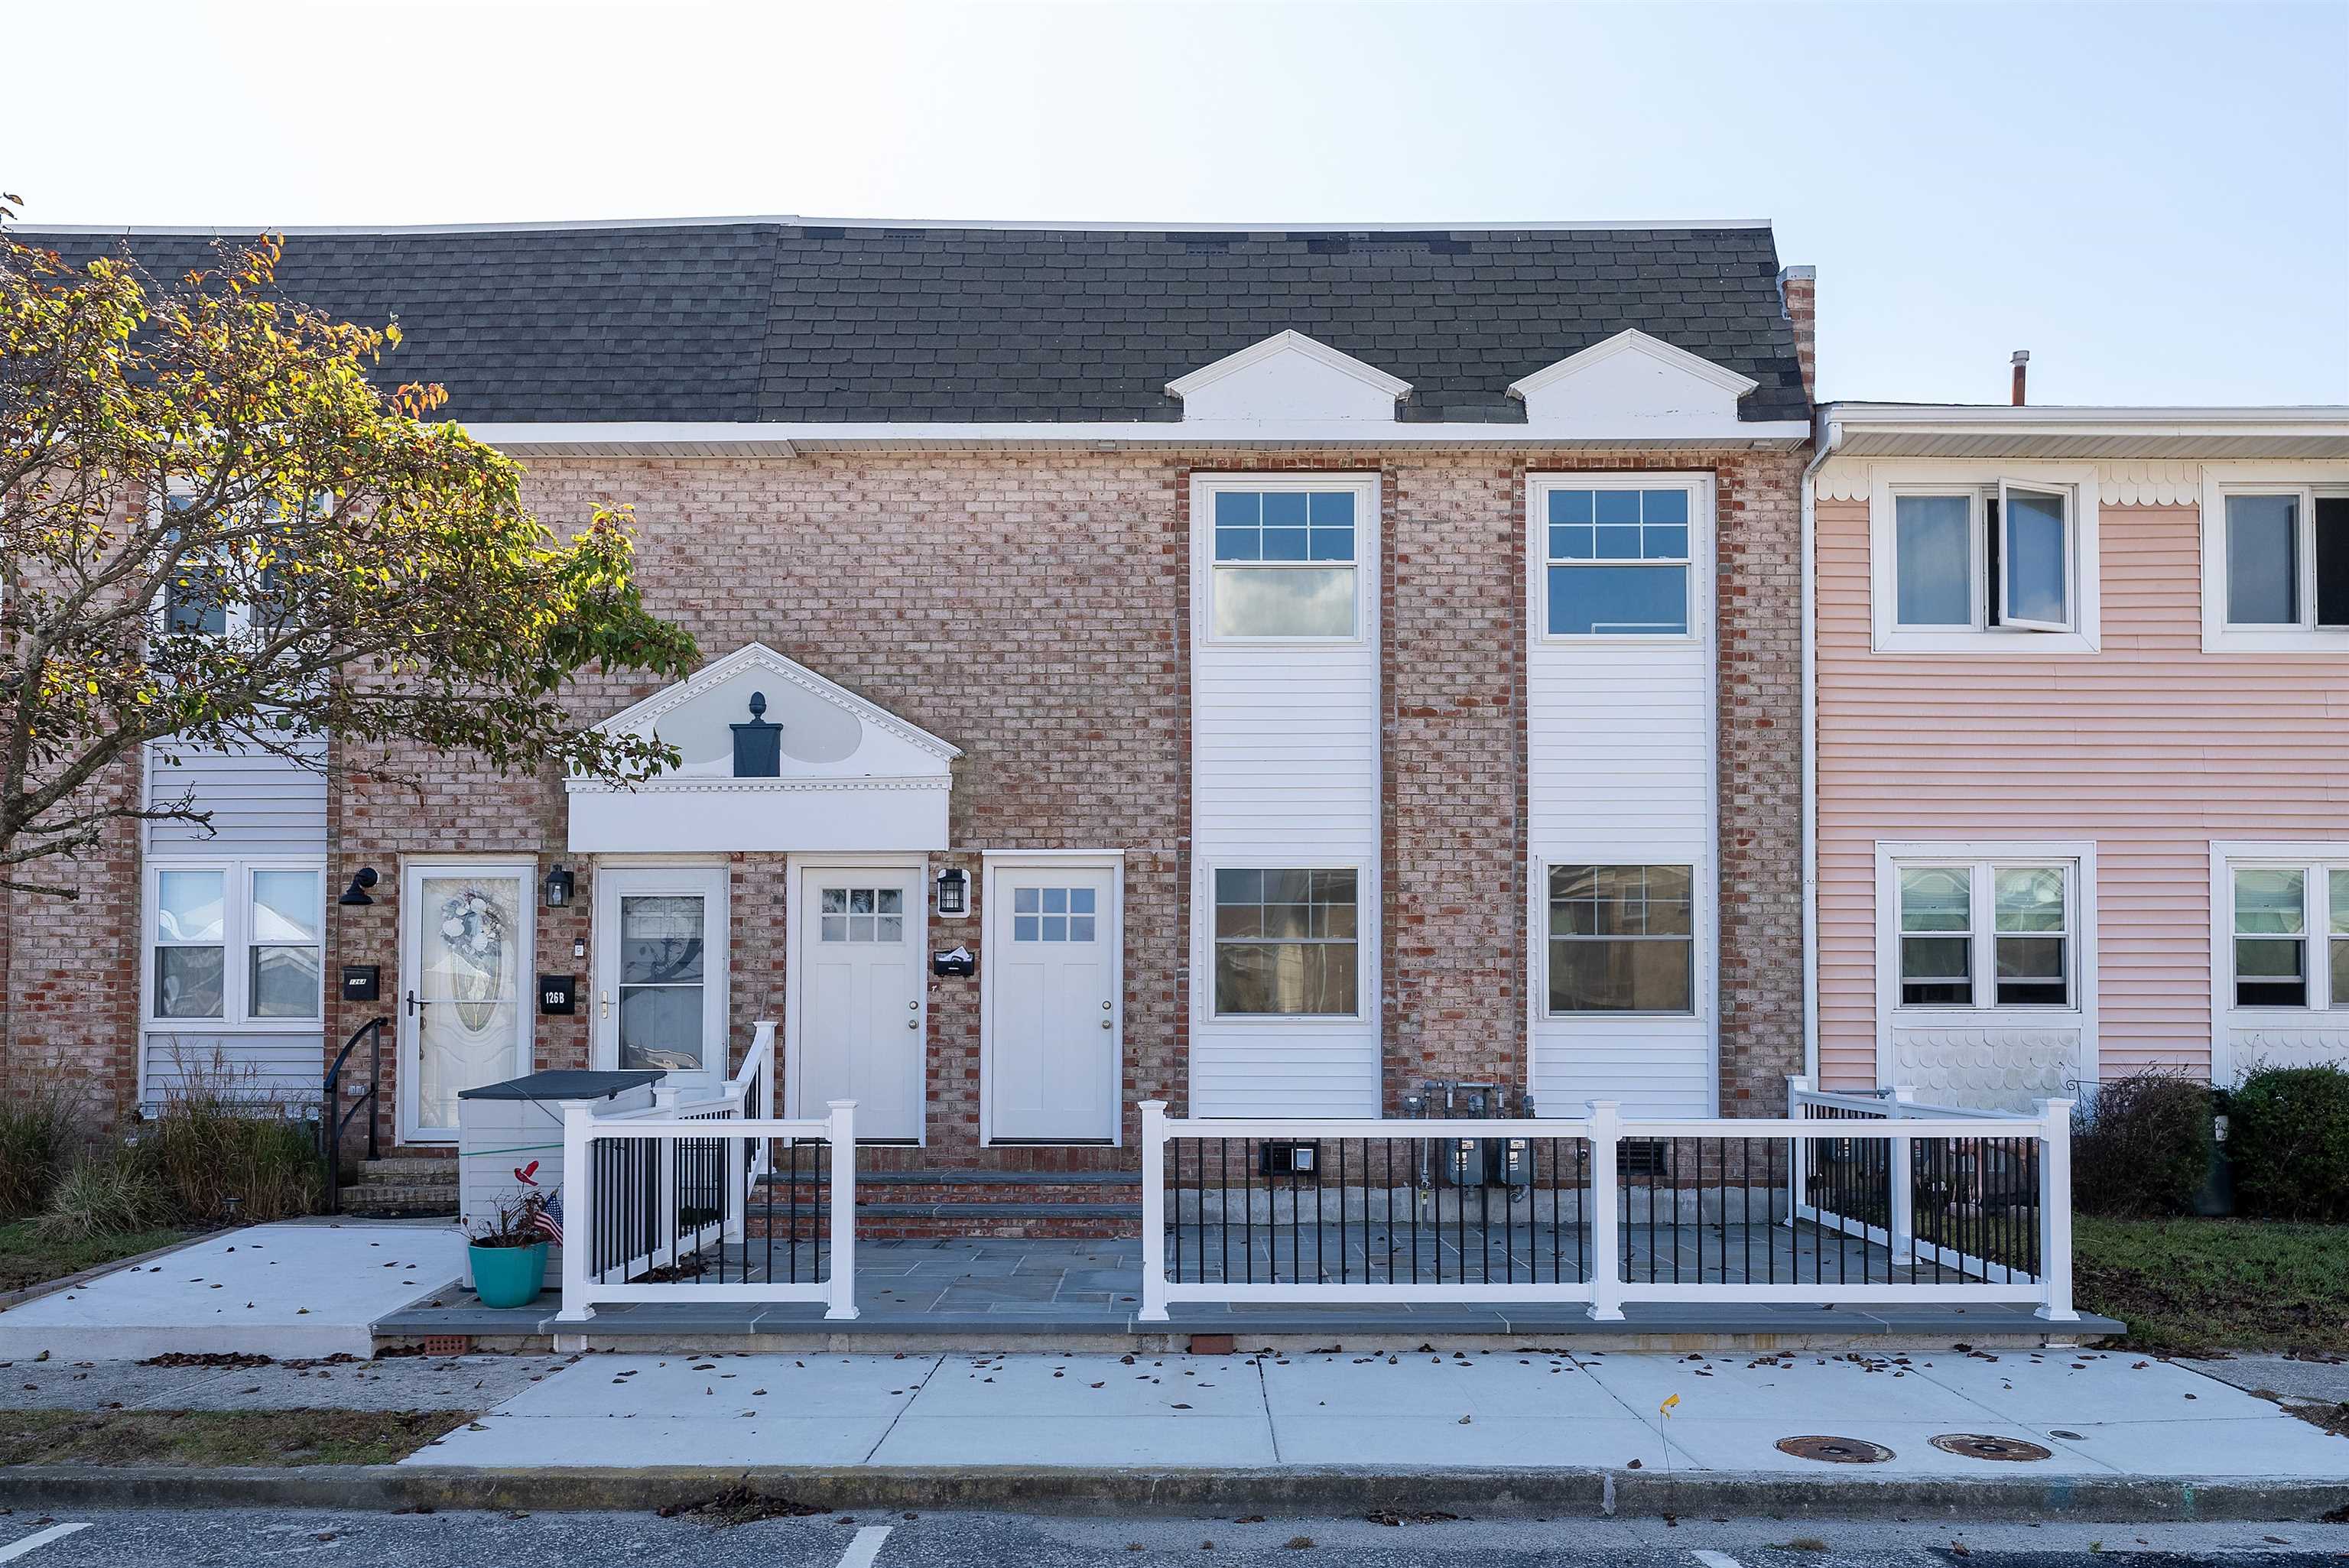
(2099, 1415)
(299, 1288)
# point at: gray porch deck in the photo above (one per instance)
(1008, 1289)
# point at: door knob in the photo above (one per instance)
(913, 1023)
(1105, 1023)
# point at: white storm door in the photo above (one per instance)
(464, 1013)
(661, 974)
(1053, 1021)
(862, 1035)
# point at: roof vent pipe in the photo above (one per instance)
(2022, 367)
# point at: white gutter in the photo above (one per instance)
(1830, 436)
(683, 438)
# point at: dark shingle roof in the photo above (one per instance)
(782, 322)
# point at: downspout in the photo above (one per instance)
(1828, 435)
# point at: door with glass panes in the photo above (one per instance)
(857, 1026)
(660, 973)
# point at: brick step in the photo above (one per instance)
(410, 1170)
(400, 1197)
(1061, 1194)
(931, 1221)
(956, 1178)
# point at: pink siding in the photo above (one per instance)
(2151, 748)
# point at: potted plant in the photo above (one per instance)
(509, 1252)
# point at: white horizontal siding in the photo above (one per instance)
(1285, 772)
(1620, 770)
(288, 1066)
(259, 804)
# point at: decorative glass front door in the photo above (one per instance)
(660, 973)
(463, 1022)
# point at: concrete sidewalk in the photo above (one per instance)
(2097, 1414)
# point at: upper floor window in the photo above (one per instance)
(2291, 934)
(2287, 560)
(236, 943)
(1284, 564)
(1968, 561)
(1615, 562)
(1985, 932)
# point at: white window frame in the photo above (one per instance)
(237, 943)
(1206, 486)
(1698, 562)
(1980, 483)
(1981, 860)
(1543, 938)
(2316, 859)
(1367, 906)
(2304, 481)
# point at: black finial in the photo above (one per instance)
(758, 705)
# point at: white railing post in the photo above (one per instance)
(1606, 1224)
(2056, 1210)
(578, 1210)
(1153, 1211)
(1902, 1229)
(668, 1232)
(1798, 1150)
(841, 1130)
(762, 1051)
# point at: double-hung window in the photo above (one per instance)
(2290, 934)
(236, 943)
(1617, 560)
(1284, 564)
(2276, 574)
(1982, 560)
(1622, 939)
(1986, 932)
(1288, 941)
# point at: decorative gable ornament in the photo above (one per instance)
(1636, 382)
(1288, 378)
(828, 770)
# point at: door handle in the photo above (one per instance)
(416, 1005)
(606, 999)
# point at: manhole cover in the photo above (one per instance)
(1974, 1446)
(1835, 1451)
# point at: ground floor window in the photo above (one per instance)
(235, 941)
(2290, 933)
(1622, 939)
(1288, 941)
(1984, 931)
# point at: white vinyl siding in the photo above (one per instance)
(1619, 755)
(1285, 775)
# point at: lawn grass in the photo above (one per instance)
(2189, 1286)
(27, 1258)
(220, 1437)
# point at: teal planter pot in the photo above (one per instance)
(509, 1276)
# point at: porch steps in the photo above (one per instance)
(407, 1185)
(926, 1205)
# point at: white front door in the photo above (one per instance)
(859, 1028)
(661, 974)
(1052, 1017)
(464, 1013)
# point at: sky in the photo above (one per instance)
(2152, 199)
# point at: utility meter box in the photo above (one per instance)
(510, 1137)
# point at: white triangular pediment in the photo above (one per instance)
(1289, 377)
(1631, 376)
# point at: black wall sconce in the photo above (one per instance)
(356, 894)
(558, 888)
(954, 893)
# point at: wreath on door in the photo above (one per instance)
(473, 929)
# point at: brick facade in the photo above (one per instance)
(1033, 609)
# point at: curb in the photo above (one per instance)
(1499, 1493)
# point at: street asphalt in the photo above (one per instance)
(873, 1540)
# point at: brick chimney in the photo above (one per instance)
(1799, 288)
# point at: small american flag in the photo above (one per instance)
(548, 1217)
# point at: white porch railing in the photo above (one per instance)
(670, 1191)
(1603, 1211)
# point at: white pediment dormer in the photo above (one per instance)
(840, 772)
(1636, 382)
(1290, 377)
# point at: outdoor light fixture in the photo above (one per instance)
(558, 888)
(361, 879)
(954, 893)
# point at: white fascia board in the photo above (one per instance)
(1632, 340)
(1044, 225)
(1288, 341)
(639, 438)
(2303, 420)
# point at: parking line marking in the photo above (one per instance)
(1716, 1559)
(40, 1538)
(866, 1547)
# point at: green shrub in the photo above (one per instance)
(2141, 1146)
(110, 1192)
(218, 1135)
(39, 1126)
(2288, 1140)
